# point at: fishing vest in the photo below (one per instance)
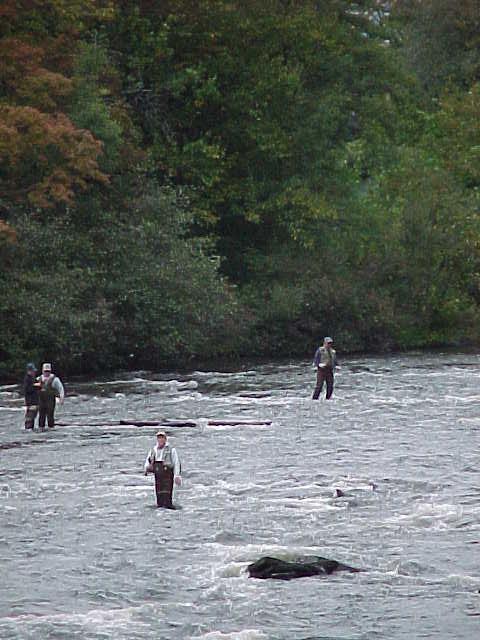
(47, 388)
(328, 357)
(164, 456)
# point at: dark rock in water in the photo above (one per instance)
(338, 493)
(302, 567)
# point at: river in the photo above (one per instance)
(85, 553)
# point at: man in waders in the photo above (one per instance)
(325, 361)
(30, 391)
(164, 462)
(51, 388)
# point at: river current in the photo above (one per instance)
(84, 552)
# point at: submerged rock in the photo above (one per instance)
(267, 567)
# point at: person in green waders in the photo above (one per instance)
(163, 461)
(50, 389)
(325, 361)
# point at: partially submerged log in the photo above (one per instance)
(302, 567)
(235, 423)
(168, 423)
(140, 423)
(255, 394)
(132, 423)
(105, 423)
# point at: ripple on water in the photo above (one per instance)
(88, 555)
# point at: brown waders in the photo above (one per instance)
(163, 484)
(324, 374)
(46, 407)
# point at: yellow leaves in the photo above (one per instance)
(252, 216)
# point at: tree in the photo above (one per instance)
(441, 39)
(255, 108)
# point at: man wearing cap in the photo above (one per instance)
(164, 462)
(325, 361)
(30, 391)
(51, 388)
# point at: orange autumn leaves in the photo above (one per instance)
(45, 160)
(44, 157)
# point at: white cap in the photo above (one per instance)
(46, 366)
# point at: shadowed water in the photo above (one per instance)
(85, 554)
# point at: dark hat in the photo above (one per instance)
(31, 367)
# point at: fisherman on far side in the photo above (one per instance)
(164, 462)
(51, 388)
(30, 391)
(325, 361)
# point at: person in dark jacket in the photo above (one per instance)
(163, 461)
(30, 391)
(325, 361)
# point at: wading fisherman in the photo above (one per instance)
(325, 361)
(51, 388)
(164, 462)
(30, 391)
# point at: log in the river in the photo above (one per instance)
(151, 423)
(235, 423)
(168, 423)
(132, 423)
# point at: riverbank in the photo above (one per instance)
(235, 363)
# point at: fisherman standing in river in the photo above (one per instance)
(30, 391)
(325, 361)
(51, 388)
(164, 462)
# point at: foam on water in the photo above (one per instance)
(87, 555)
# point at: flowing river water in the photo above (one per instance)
(85, 554)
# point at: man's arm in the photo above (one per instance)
(148, 461)
(177, 470)
(58, 386)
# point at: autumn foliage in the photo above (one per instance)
(45, 160)
(184, 179)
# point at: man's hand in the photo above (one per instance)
(178, 481)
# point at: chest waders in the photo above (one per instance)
(163, 471)
(31, 401)
(46, 404)
(30, 415)
(324, 374)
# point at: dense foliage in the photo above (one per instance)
(189, 179)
